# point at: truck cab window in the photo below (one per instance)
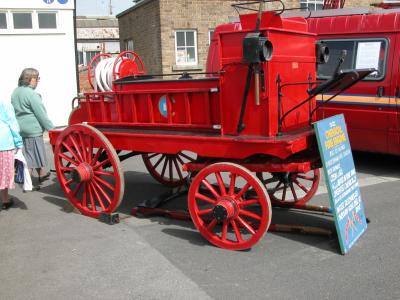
(361, 54)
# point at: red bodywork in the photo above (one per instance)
(202, 115)
(371, 107)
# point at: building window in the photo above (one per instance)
(360, 54)
(129, 45)
(311, 4)
(47, 20)
(186, 47)
(22, 20)
(210, 35)
(80, 58)
(90, 55)
(3, 20)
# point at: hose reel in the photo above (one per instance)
(103, 69)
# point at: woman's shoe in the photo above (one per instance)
(44, 177)
(34, 189)
(7, 205)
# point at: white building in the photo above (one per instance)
(40, 34)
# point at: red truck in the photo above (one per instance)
(361, 39)
(372, 106)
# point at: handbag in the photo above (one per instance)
(19, 171)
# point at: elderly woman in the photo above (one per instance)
(10, 140)
(33, 121)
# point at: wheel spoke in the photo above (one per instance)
(77, 148)
(101, 164)
(105, 183)
(186, 156)
(210, 188)
(243, 190)
(178, 170)
(76, 190)
(70, 150)
(220, 183)
(83, 147)
(98, 198)
(90, 149)
(211, 225)
(66, 169)
(63, 156)
(284, 193)
(205, 198)
(104, 173)
(224, 230)
(246, 225)
(164, 167)
(93, 207)
(293, 191)
(158, 161)
(102, 191)
(205, 212)
(298, 183)
(248, 202)
(84, 195)
(232, 183)
(171, 172)
(305, 177)
(236, 231)
(96, 156)
(150, 156)
(250, 214)
(180, 159)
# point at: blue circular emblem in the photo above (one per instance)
(62, 1)
(162, 106)
(48, 1)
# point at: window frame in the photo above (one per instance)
(356, 41)
(35, 22)
(195, 63)
(31, 13)
(7, 21)
(126, 45)
(55, 13)
(312, 2)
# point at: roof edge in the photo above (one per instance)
(139, 4)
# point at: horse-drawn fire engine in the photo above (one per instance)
(241, 136)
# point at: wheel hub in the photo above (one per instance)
(225, 209)
(83, 172)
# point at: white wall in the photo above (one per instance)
(52, 52)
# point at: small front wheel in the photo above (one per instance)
(88, 170)
(222, 210)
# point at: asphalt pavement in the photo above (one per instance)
(48, 251)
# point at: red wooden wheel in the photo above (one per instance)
(88, 170)
(221, 211)
(167, 168)
(291, 188)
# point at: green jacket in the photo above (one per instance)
(30, 112)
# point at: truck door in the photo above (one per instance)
(394, 133)
(366, 104)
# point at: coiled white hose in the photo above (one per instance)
(104, 74)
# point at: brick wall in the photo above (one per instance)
(201, 15)
(142, 25)
(152, 27)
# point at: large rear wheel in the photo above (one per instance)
(167, 168)
(290, 187)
